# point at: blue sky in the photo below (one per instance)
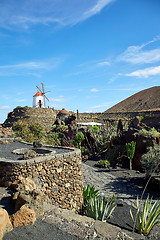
(90, 54)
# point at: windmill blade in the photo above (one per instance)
(39, 88)
(42, 87)
(45, 97)
(47, 92)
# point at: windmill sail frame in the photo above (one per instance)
(42, 90)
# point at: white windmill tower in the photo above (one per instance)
(39, 97)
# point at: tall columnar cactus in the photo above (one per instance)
(130, 147)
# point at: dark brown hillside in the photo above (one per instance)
(148, 99)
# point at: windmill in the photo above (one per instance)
(43, 93)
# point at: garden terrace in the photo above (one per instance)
(58, 170)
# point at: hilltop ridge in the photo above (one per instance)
(148, 99)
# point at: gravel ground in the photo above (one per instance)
(6, 150)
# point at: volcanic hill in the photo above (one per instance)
(148, 99)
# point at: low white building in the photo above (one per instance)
(38, 100)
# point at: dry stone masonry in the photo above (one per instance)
(45, 116)
(60, 175)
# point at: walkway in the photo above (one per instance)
(109, 184)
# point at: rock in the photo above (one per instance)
(24, 216)
(30, 194)
(29, 154)
(7, 184)
(134, 123)
(26, 184)
(57, 122)
(14, 185)
(5, 223)
(37, 144)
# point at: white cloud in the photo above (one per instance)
(3, 108)
(27, 13)
(58, 106)
(57, 99)
(137, 54)
(145, 73)
(97, 8)
(105, 63)
(20, 100)
(101, 107)
(33, 65)
(94, 90)
(29, 68)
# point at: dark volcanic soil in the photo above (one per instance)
(6, 150)
(147, 99)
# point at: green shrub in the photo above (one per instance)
(20, 129)
(148, 218)
(151, 133)
(150, 160)
(113, 154)
(28, 133)
(18, 107)
(37, 130)
(101, 139)
(103, 163)
(53, 139)
(53, 127)
(95, 128)
(79, 137)
(19, 126)
(141, 119)
(61, 128)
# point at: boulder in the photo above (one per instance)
(37, 144)
(26, 184)
(29, 193)
(5, 223)
(29, 154)
(24, 216)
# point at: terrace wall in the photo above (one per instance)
(151, 118)
(60, 176)
(45, 116)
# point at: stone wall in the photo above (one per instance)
(60, 176)
(151, 118)
(5, 132)
(45, 116)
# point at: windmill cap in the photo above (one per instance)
(38, 94)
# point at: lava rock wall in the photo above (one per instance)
(60, 176)
(45, 116)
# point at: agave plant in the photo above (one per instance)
(149, 216)
(88, 193)
(100, 209)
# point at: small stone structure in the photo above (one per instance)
(59, 174)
